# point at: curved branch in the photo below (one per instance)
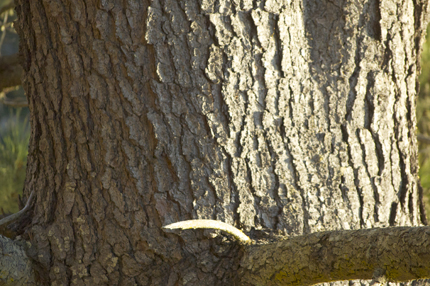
(14, 216)
(210, 224)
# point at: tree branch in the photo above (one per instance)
(10, 71)
(396, 254)
(14, 216)
(210, 224)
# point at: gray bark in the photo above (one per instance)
(16, 267)
(292, 117)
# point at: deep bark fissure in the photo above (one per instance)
(345, 137)
(393, 212)
(403, 189)
(360, 189)
(366, 166)
(306, 228)
(275, 117)
(275, 193)
(353, 81)
(377, 21)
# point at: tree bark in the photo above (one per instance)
(396, 254)
(386, 254)
(293, 117)
(16, 267)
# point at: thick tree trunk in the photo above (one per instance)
(291, 117)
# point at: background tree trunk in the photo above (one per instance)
(274, 116)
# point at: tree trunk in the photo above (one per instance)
(288, 117)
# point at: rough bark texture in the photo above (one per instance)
(289, 116)
(15, 266)
(382, 254)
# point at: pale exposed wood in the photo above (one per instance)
(209, 224)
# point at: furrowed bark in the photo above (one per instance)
(292, 117)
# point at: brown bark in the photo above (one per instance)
(287, 116)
